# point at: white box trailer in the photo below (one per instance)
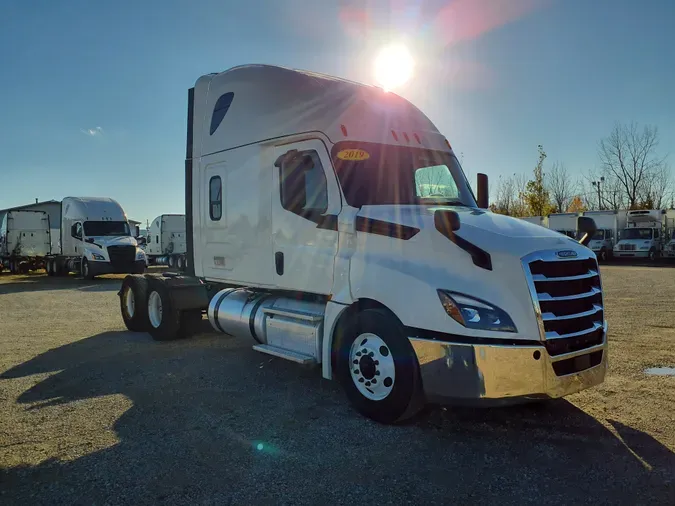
(564, 223)
(25, 241)
(609, 225)
(542, 221)
(311, 229)
(165, 242)
(644, 235)
(95, 239)
(668, 250)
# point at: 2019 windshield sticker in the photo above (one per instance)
(354, 155)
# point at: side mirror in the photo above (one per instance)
(447, 222)
(483, 194)
(586, 227)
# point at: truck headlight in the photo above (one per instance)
(140, 255)
(96, 256)
(474, 313)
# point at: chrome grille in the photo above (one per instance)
(627, 247)
(567, 295)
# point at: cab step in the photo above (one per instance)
(293, 356)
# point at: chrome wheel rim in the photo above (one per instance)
(371, 366)
(85, 268)
(155, 309)
(129, 302)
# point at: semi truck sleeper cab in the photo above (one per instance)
(332, 224)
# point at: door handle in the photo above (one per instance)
(279, 262)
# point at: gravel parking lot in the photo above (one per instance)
(92, 414)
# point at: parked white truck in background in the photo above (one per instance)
(564, 223)
(25, 241)
(542, 221)
(609, 226)
(669, 247)
(165, 242)
(95, 239)
(312, 230)
(643, 236)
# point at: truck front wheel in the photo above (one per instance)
(378, 368)
(86, 269)
(134, 303)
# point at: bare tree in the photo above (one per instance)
(629, 159)
(510, 195)
(657, 192)
(560, 186)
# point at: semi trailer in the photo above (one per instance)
(312, 230)
(25, 241)
(95, 239)
(165, 242)
(609, 226)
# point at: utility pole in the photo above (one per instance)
(597, 185)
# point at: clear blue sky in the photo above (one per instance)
(498, 77)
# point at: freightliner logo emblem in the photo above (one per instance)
(567, 253)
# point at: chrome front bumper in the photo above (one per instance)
(453, 372)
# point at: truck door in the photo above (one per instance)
(305, 206)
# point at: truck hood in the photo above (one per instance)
(487, 230)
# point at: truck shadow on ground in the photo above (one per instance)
(38, 283)
(214, 422)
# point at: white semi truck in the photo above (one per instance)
(95, 239)
(165, 242)
(564, 223)
(25, 241)
(609, 226)
(644, 235)
(542, 221)
(312, 231)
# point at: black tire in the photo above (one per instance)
(85, 271)
(172, 261)
(603, 255)
(134, 314)
(405, 398)
(174, 324)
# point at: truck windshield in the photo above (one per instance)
(379, 174)
(638, 233)
(599, 235)
(100, 228)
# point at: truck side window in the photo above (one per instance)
(76, 231)
(303, 184)
(220, 110)
(215, 198)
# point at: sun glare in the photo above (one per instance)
(393, 66)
